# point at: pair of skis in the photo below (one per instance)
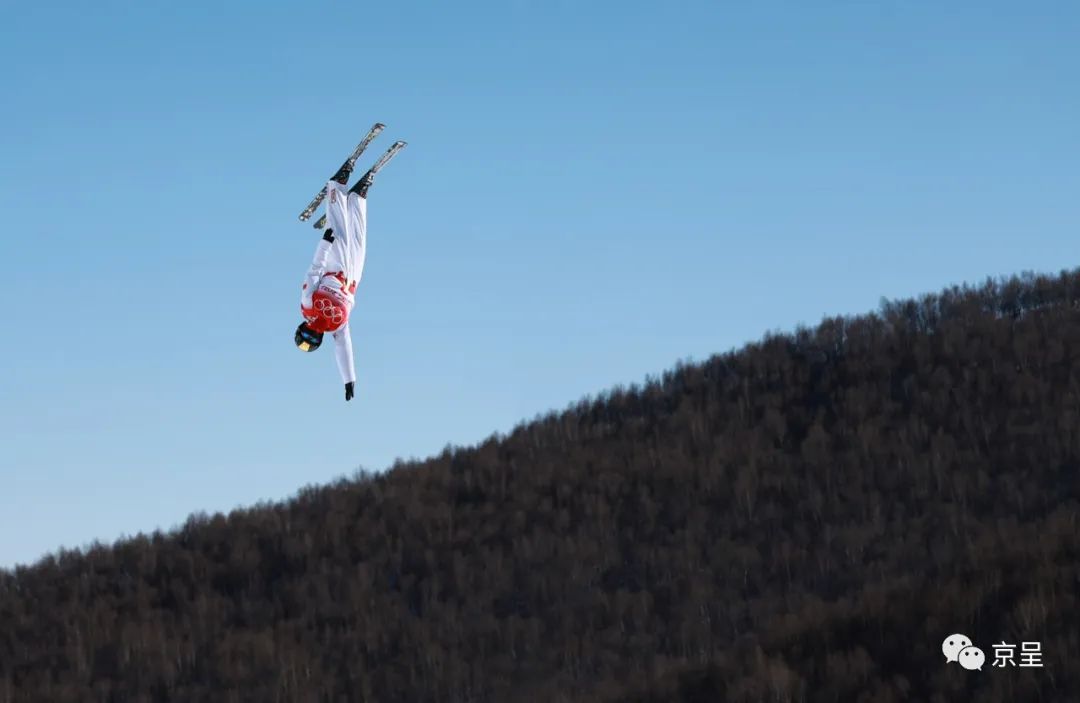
(350, 163)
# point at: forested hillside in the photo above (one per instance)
(804, 519)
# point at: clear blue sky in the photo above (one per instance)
(592, 191)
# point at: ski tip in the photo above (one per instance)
(379, 126)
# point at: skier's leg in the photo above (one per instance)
(356, 243)
(337, 209)
(335, 191)
(357, 209)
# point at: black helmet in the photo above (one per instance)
(306, 338)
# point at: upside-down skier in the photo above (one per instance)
(329, 290)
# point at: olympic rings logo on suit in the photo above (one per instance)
(332, 313)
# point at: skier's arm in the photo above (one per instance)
(318, 267)
(343, 351)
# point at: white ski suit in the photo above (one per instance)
(337, 266)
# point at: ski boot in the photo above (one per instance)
(342, 176)
(361, 187)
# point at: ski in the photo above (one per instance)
(350, 162)
(383, 160)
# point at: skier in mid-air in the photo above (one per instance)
(329, 291)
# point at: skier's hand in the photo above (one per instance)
(328, 235)
(348, 391)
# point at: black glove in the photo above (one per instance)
(328, 235)
(348, 391)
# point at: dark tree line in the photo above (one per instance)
(804, 519)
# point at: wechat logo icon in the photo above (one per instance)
(958, 649)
